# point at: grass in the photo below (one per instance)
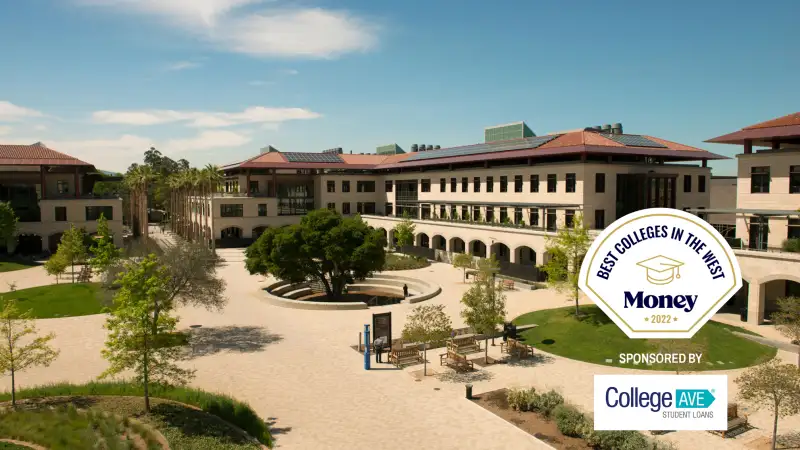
(10, 266)
(59, 300)
(595, 338)
(221, 406)
(7, 446)
(404, 262)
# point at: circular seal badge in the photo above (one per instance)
(660, 273)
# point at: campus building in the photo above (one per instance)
(766, 217)
(503, 196)
(49, 191)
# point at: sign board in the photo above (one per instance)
(382, 327)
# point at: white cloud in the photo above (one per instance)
(5, 130)
(207, 140)
(260, 83)
(290, 72)
(294, 32)
(252, 115)
(10, 112)
(183, 65)
(40, 127)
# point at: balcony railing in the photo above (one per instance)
(243, 194)
(68, 196)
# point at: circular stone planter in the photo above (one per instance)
(288, 295)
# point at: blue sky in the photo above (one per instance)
(215, 80)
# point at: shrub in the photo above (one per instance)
(403, 262)
(618, 440)
(569, 420)
(791, 245)
(522, 399)
(547, 402)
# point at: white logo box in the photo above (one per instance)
(692, 407)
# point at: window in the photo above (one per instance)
(476, 184)
(359, 208)
(476, 213)
(533, 217)
(599, 219)
(550, 218)
(345, 186)
(94, 212)
(453, 185)
(794, 179)
(490, 214)
(569, 215)
(759, 180)
(332, 206)
(442, 211)
(489, 184)
(503, 214)
(503, 184)
(331, 186)
(426, 185)
(425, 212)
(570, 182)
(703, 216)
(464, 212)
(517, 215)
(231, 210)
(442, 185)
(365, 186)
(262, 209)
(701, 183)
(534, 183)
(61, 213)
(62, 186)
(758, 238)
(794, 229)
(389, 185)
(453, 212)
(551, 182)
(346, 208)
(253, 187)
(687, 183)
(464, 184)
(599, 182)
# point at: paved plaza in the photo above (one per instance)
(298, 370)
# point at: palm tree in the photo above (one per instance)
(214, 178)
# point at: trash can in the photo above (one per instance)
(512, 331)
(506, 331)
(743, 314)
(469, 392)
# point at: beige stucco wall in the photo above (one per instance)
(723, 196)
(76, 214)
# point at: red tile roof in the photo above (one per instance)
(785, 121)
(36, 154)
(763, 133)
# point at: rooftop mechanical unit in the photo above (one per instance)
(517, 130)
(391, 149)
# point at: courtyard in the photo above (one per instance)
(298, 370)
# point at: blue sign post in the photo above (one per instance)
(366, 347)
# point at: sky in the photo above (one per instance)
(213, 81)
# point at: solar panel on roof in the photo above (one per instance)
(313, 157)
(490, 147)
(633, 140)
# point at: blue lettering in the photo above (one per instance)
(640, 300)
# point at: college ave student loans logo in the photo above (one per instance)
(660, 273)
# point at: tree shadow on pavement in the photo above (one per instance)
(241, 339)
(537, 359)
(465, 377)
(276, 431)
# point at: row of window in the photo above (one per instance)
(687, 183)
(361, 186)
(237, 210)
(758, 238)
(92, 213)
(361, 207)
(760, 180)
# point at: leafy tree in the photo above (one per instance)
(484, 305)
(567, 250)
(8, 223)
(137, 339)
(324, 246)
(56, 266)
(462, 261)
(426, 324)
(404, 232)
(104, 250)
(16, 327)
(787, 320)
(775, 386)
(72, 248)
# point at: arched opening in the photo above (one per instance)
(231, 233)
(738, 303)
(776, 289)
(29, 244)
(501, 252)
(423, 240)
(53, 240)
(457, 245)
(477, 248)
(257, 231)
(439, 243)
(525, 256)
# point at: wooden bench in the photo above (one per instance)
(405, 357)
(455, 360)
(508, 285)
(517, 348)
(464, 345)
(736, 423)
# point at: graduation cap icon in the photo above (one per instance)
(661, 270)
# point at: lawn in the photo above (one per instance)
(10, 266)
(7, 446)
(595, 338)
(59, 300)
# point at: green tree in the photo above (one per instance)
(567, 250)
(787, 320)
(72, 248)
(8, 224)
(426, 324)
(404, 232)
(324, 246)
(56, 266)
(16, 327)
(462, 261)
(138, 340)
(775, 386)
(484, 305)
(104, 252)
